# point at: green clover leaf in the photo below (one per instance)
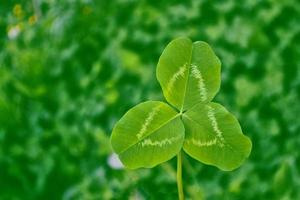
(189, 73)
(154, 132)
(148, 134)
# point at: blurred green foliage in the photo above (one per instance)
(70, 69)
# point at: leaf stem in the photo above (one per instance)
(179, 176)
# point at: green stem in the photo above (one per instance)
(179, 176)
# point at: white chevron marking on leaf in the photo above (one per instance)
(167, 141)
(214, 123)
(201, 85)
(179, 73)
(147, 122)
(202, 143)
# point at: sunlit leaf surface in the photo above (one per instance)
(148, 134)
(214, 136)
(189, 73)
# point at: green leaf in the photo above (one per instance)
(189, 73)
(148, 134)
(214, 137)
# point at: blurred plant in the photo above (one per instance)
(70, 69)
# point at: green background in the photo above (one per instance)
(70, 69)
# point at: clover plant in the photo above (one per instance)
(153, 132)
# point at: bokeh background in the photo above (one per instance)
(70, 69)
